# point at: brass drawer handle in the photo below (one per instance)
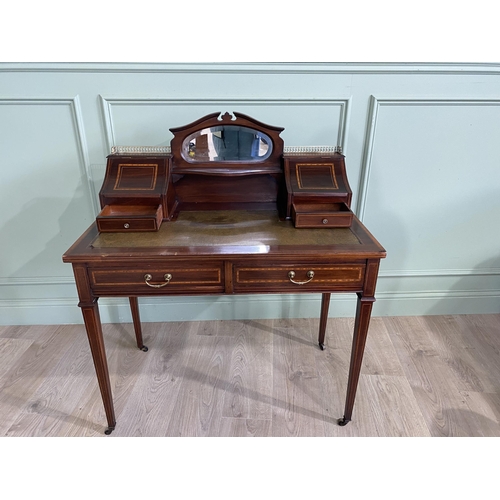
(291, 275)
(148, 278)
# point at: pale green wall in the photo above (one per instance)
(423, 159)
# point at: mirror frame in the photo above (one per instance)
(271, 164)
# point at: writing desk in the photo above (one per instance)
(216, 252)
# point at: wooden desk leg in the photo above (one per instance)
(134, 307)
(94, 333)
(363, 314)
(325, 305)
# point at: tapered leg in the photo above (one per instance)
(361, 324)
(325, 305)
(134, 307)
(94, 333)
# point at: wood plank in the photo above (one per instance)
(436, 371)
(461, 352)
(428, 374)
(380, 357)
(394, 409)
(197, 409)
(55, 400)
(15, 331)
(481, 418)
(483, 333)
(250, 377)
(298, 408)
(10, 350)
(29, 372)
(245, 427)
(150, 401)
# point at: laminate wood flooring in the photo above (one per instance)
(421, 376)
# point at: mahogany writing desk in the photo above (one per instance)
(224, 249)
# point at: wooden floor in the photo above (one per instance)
(421, 376)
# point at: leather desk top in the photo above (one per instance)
(228, 227)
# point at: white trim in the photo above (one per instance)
(366, 162)
(261, 68)
(95, 191)
(109, 133)
(40, 280)
(421, 273)
(84, 149)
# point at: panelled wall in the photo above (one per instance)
(422, 152)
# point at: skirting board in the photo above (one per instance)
(164, 309)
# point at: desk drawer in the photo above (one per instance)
(321, 215)
(298, 277)
(124, 218)
(176, 277)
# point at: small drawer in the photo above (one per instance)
(129, 218)
(176, 277)
(294, 277)
(314, 215)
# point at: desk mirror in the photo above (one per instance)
(227, 144)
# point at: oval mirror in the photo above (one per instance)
(226, 143)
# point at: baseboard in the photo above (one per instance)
(159, 309)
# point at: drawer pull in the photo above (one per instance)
(148, 278)
(126, 225)
(325, 221)
(291, 275)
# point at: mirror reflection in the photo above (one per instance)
(226, 143)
